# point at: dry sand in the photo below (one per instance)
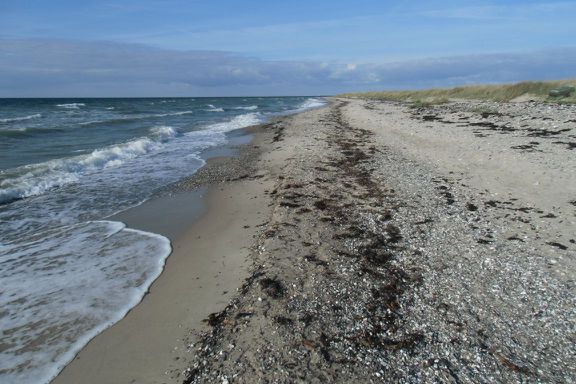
(369, 242)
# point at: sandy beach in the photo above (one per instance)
(365, 241)
(212, 218)
(287, 192)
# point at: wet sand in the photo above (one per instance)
(211, 219)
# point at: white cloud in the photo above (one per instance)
(44, 68)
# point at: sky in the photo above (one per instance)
(61, 48)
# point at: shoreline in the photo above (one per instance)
(387, 243)
(200, 275)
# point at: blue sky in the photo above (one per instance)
(195, 48)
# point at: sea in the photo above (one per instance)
(67, 271)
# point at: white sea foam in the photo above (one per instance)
(110, 156)
(240, 121)
(31, 185)
(126, 118)
(93, 122)
(71, 105)
(35, 179)
(13, 129)
(174, 114)
(312, 103)
(23, 118)
(78, 273)
(250, 108)
(213, 108)
(245, 120)
(163, 133)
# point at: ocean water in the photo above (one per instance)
(67, 272)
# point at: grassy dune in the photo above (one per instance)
(501, 92)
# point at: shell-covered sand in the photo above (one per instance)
(431, 244)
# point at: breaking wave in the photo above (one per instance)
(71, 105)
(213, 108)
(75, 294)
(312, 103)
(35, 179)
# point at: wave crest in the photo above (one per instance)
(71, 105)
(237, 122)
(163, 133)
(213, 108)
(35, 179)
(312, 103)
(23, 118)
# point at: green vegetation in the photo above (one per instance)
(540, 90)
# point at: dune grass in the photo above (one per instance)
(500, 92)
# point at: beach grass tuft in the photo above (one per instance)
(536, 90)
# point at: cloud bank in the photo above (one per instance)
(60, 68)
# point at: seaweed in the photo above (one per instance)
(272, 287)
(557, 245)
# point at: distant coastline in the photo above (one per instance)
(557, 91)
